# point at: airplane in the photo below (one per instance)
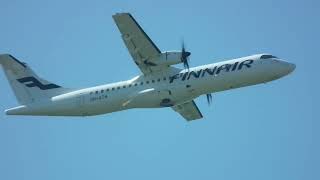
(160, 84)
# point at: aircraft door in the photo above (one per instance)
(80, 103)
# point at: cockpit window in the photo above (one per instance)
(267, 57)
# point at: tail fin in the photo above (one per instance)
(26, 85)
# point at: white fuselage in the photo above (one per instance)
(162, 89)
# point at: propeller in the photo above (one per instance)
(209, 99)
(184, 56)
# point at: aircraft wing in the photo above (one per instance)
(140, 46)
(188, 110)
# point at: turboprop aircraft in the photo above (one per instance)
(159, 85)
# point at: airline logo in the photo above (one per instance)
(33, 82)
(212, 71)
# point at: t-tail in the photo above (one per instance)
(26, 85)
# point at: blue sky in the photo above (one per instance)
(267, 131)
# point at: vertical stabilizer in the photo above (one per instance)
(26, 85)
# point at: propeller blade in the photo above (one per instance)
(184, 56)
(209, 99)
(186, 64)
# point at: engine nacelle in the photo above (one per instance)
(168, 58)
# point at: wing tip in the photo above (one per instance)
(121, 14)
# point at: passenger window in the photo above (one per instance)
(113, 89)
(135, 84)
(130, 85)
(124, 86)
(102, 91)
(164, 78)
(141, 83)
(159, 80)
(118, 87)
(147, 82)
(153, 81)
(97, 92)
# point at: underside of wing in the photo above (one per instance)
(188, 110)
(140, 46)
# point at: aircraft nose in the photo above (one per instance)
(290, 67)
(282, 68)
(285, 67)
